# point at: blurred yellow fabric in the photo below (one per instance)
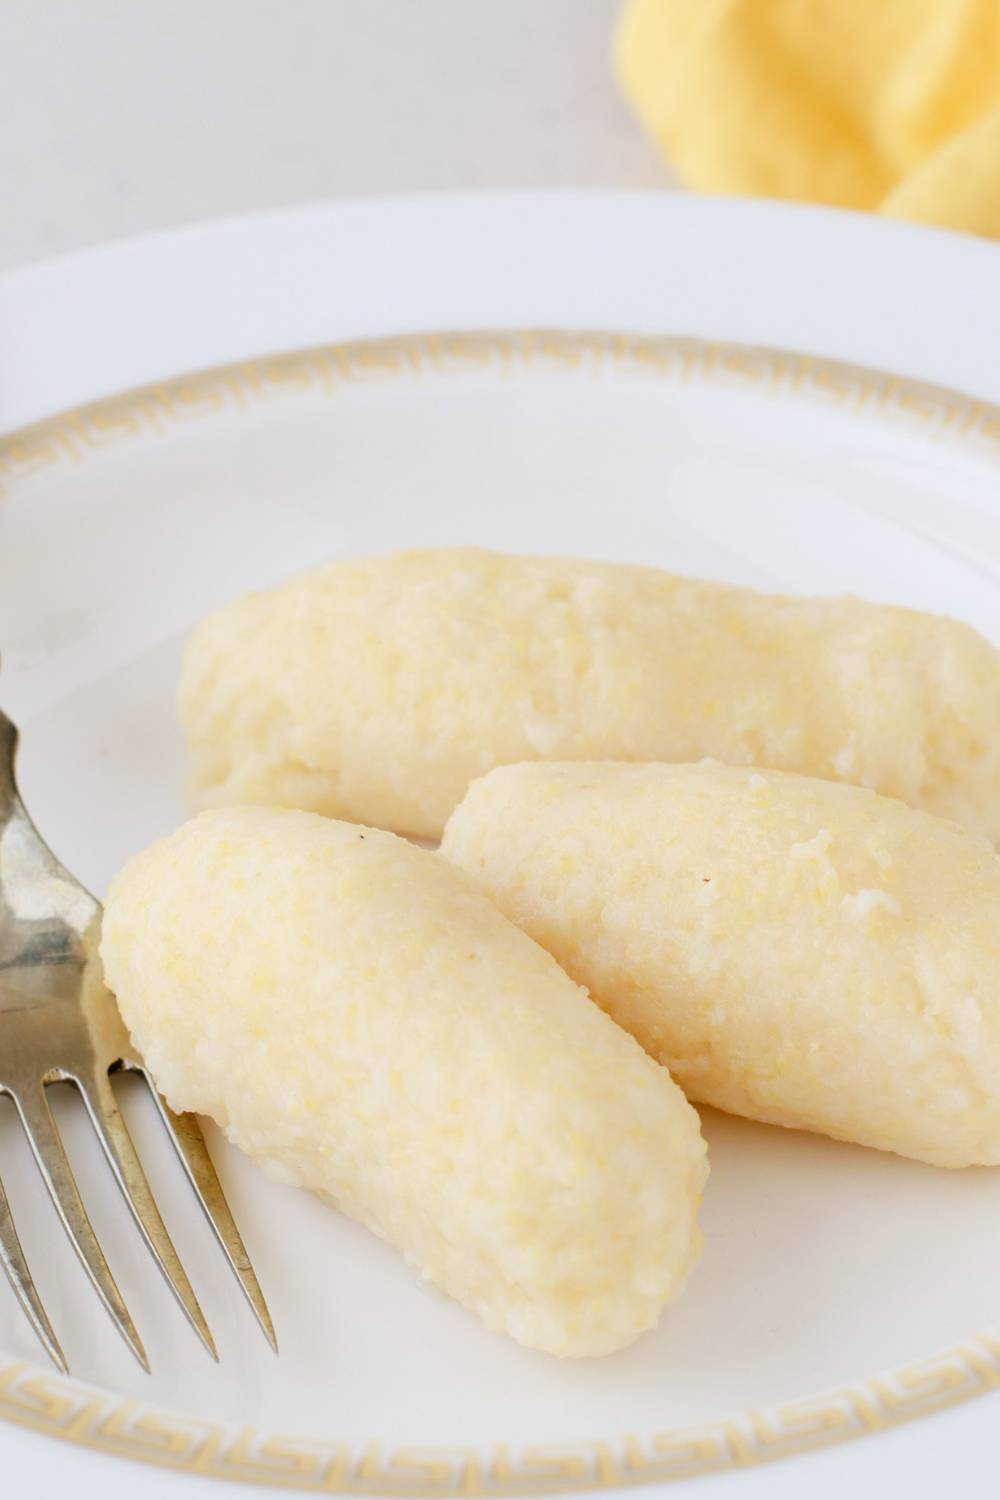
(891, 105)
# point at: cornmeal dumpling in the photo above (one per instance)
(800, 952)
(362, 1021)
(377, 689)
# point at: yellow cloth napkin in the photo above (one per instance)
(891, 105)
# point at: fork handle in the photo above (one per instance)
(8, 786)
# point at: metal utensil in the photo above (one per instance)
(58, 1022)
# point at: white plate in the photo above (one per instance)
(120, 525)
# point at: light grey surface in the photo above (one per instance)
(117, 117)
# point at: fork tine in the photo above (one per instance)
(114, 1136)
(186, 1135)
(19, 1277)
(43, 1137)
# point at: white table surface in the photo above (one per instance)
(119, 117)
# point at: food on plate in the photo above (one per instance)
(377, 689)
(794, 950)
(362, 1021)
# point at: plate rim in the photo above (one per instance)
(943, 412)
(884, 292)
(99, 1418)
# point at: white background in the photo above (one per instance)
(123, 116)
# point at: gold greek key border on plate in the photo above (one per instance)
(106, 1421)
(938, 413)
(102, 1420)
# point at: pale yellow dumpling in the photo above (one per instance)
(793, 950)
(377, 689)
(362, 1021)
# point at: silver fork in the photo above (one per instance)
(58, 1022)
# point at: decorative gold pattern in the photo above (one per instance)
(106, 1421)
(100, 1419)
(940, 414)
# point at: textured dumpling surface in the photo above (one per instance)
(377, 689)
(793, 950)
(362, 1021)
